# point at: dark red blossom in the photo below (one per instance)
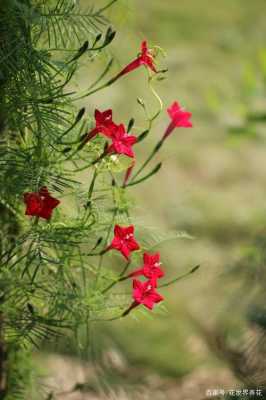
(145, 293)
(122, 142)
(144, 58)
(150, 269)
(103, 124)
(124, 240)
(179, 118)
(40, 204)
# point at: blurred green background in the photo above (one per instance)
(212, 184)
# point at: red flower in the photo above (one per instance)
(124, 240)
(145, 293)
(179, 118)
(150, 269)
(144, 58)
(40, 204)
(121, 142)
(103, 124)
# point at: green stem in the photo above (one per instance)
(194, 269)
(149, 175)
(121, 278)
(153, 153)
(101, 10)
(97, 89)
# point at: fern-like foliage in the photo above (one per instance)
(55, 276)
(63, 24)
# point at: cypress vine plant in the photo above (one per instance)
(60, 234)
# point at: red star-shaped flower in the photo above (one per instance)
(103, 124)
(144, 58)
(40, 204)
(150, 269)
(179, 118)
(145, 293)
(122, 142)
(124, 240)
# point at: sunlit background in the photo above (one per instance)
(211, 189)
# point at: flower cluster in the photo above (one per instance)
(122, 142)
(143, 292)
